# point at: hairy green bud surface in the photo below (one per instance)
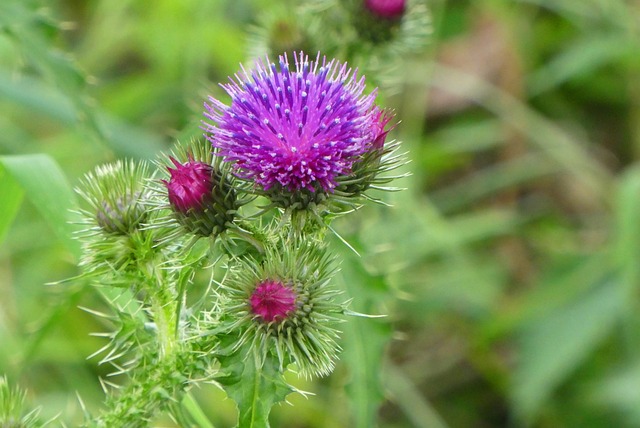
(285, 307)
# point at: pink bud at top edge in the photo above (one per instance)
(389, 9)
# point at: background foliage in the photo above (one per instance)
(508, 268)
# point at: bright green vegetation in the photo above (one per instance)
(508, 268)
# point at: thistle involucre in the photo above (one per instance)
(285, 307)
(116, 216)
(294, 130)
(198, 192)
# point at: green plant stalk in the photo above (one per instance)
(164, 304)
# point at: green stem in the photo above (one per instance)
(195, 411)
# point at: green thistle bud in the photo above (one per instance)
(122, 215)
(377, 21)
(285, 307)
(280, 29)
(115, 195)
(114, 220)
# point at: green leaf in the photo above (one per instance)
(364, 342)
(554, 344)
(584, 56)
(410, 399)
(10, 199)
(46, 187)
(38, 97)
(255, 389)
(195, 411)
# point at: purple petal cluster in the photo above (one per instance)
(295, 128)
(189, 186)
(272, 300)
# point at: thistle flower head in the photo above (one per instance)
(293, 129)
(284, 307)
(197, 190)
(190, 185)
(388, 9)
(272, 300)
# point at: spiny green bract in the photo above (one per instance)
(13, 411)
(218, 208)
(307, 336)
(113, 240)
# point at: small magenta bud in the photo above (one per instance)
(388, 9)
(272, 300)
(199, 193)
(190, 185)
(381, 119)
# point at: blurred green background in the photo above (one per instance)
(508, 268)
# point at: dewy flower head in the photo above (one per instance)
(284, 307)
(293, 129)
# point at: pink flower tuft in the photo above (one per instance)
(272, 300)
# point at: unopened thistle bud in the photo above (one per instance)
(197, 191)
(115, 194)
(294, 133)
(122, 215)
(285, 308)
(113, 238)
(190, 185)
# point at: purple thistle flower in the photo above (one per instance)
(272, 300)
(190, 185)
(294, 129)
(389, 9)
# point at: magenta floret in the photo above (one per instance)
(189, 187)
(272, 300)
